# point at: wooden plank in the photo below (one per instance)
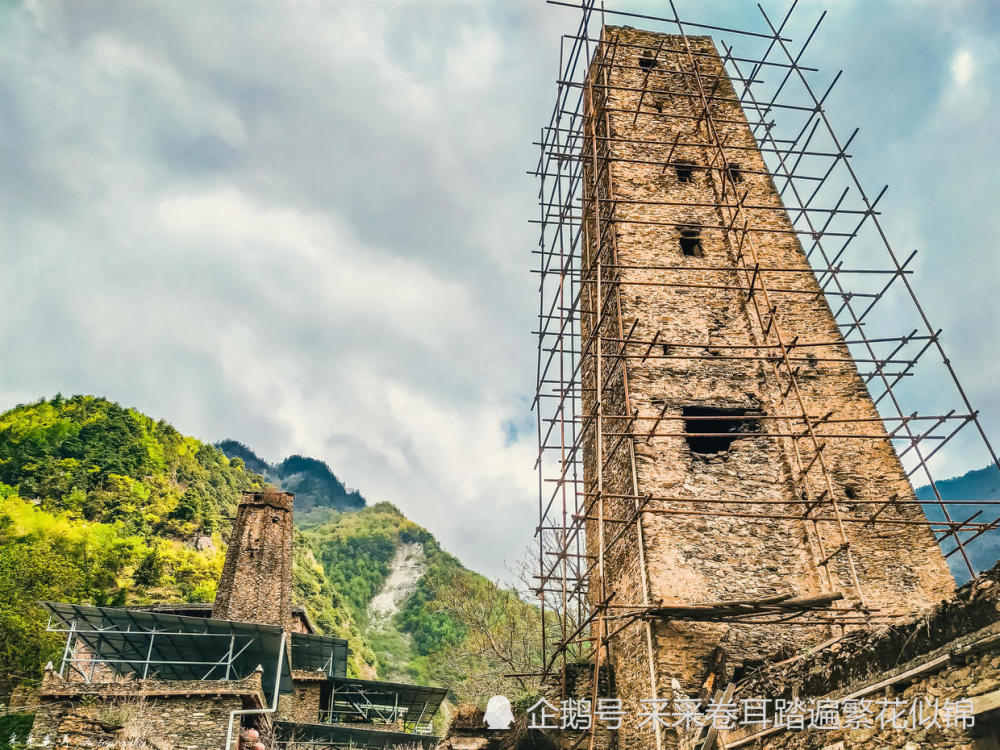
(713, 732)
(988, 702)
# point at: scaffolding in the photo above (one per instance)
(848, 249)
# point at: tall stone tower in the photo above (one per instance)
(256, 583)
(756, 444)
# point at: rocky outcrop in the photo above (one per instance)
(405, 571)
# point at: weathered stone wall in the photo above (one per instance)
(165, 715)
(976, 679)
(693, 307)
(951, 653)
(256, 581)
(177, 723)
(300, 622)
(303, 704)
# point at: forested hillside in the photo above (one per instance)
(356, 551)
(101, 504)
(97, 461)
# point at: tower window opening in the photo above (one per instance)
(647, 61)
(690, 242)
(712, 429)
(685, 171)
(735, 172)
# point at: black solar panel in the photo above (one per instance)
(149, 644)
(319, 652)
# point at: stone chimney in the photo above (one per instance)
(256, 583)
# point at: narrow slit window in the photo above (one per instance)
(685, 171)
(735, 172)
(690, 242)
(711, 429)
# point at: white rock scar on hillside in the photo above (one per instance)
(406, 569)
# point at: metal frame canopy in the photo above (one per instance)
(383, 702)
(320, 652)
(334, 737)
(164, 646)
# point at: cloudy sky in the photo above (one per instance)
(303, 225)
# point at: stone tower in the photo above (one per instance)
(256, 582)
(713, 345)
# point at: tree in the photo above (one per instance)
(503, 645)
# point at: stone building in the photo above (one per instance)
(256, 582)
(709, 351)
(945, 664)
(250, 669)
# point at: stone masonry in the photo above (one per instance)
(256, 582)
(949, 654)
(165, 715)
(304, 704)
(679, 286)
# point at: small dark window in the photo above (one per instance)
(685, 171)
(691, 242)
(711, 429)
(735, 172)
(647, 61)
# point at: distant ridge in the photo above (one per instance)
(313, 482)
(978, 484)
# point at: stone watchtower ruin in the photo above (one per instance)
(730, 448)
(256, 582)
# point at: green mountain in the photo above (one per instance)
(980, 485)
(389, 570)
(101, 504)
(312, 481)
(104, 505)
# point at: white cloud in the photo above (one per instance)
(963, 66)
(304, 226)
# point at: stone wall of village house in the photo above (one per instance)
(948, 655)
(177, 714)
(303, 705)
(977, 680)
(177, 723)
(703, 557)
